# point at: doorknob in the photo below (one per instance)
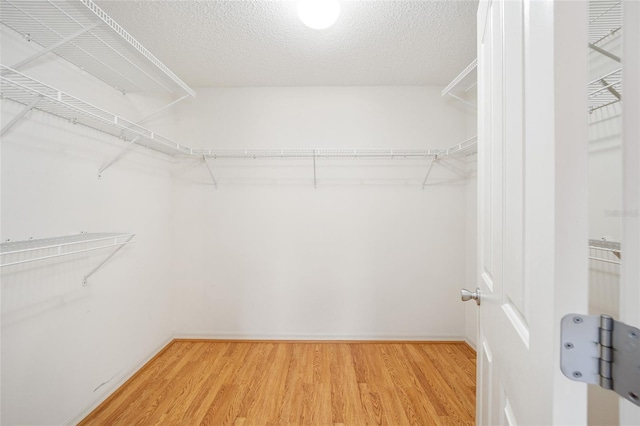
(468, 295)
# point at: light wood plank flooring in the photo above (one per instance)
(293, 383)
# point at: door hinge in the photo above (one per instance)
(602, 351)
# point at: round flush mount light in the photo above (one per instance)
(318, 14)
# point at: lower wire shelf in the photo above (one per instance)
(19, 252)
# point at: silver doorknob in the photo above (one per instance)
(468, 295)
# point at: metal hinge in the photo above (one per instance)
(602, 351)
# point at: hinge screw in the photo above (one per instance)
(577, 320)
(577, 374)
(568, 345)
(633, 335)
(634, 396)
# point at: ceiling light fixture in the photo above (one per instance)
(318, 14)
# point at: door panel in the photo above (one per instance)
(529, 249)
(485, 368)
(514, 284)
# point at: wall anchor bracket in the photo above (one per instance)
(315, 180)
(605, 52)
(113, 253)
(602, 351)
(55, 45)
(118, 156)
(215, 184)
(19, 116)
(433, 160)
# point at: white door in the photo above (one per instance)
(532, 177)
(630, 270)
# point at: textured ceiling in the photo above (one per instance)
(263, 43)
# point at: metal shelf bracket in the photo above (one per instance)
(94, 270)
(315, 180)
(424, 182)
(605, 52)
(118, 156)
(19, 116)
(54, 46)
(215, 184)
(169, 105)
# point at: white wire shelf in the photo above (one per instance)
(83, 34)
(463, 83)
(605, 90)
(19, 252)
(47, 248)
(34, 94)
(467, 147)
(25, 90)
(605, 20)
(605, 246)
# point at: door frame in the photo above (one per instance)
(630, 270)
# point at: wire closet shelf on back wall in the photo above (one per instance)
(34, 94)
(81, 33)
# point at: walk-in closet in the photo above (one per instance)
(268, 212)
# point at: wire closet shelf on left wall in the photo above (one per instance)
(15, 253)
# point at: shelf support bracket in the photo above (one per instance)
(213, 178)
(315, 180)
(460, 173)
(19, 116)
(605, 52)
(118, 156)
(94, 270)
(610, 88)
(54, 46)
(433, 160)
(469, 104)
(169, 105)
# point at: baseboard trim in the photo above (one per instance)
(325, 341)
(471, 344)
(111, 390)
(291, 337)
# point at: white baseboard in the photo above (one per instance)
(113, 385)
(470, 343)
(228, 335)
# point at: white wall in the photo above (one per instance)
(368, 254)
(61, 341)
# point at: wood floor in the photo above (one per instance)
(286, 383)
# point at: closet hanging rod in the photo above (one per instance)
(600, 259)
(381, 153)
(317, 153)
